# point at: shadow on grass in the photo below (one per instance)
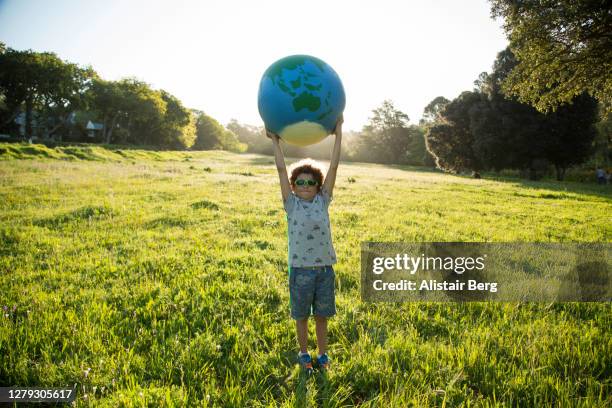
(289, 358)
(546, 184)
(556, 189)
(262, 161)
(51, 144)
(83, 214)
(313, 389)
(165, 222)
(301, 389)
(325, 393)
(297, 381)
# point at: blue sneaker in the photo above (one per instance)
(323, 362)
(306, 362)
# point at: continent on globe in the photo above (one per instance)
(300, 98)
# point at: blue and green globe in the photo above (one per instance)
(300, 99)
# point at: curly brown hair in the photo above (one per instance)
(307, 166)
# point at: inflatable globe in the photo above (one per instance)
(300, 99)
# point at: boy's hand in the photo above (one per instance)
(272, 136)
(338, 128)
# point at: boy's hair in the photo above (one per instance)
(307, 166)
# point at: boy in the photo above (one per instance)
(306, 199)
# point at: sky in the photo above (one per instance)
(211, 54)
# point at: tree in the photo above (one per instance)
(603, 141)
(178, 125)
(211, 135)
(53, 90)
(507, 133)
(488, 129)
(511, 134)
(67, 86)
(132, 112)
(136, 110)
(564, 48)
(431, 116)
(451, 139)
(386, 136)
(118, 104)
(41, 82)
(432, 111)
(253, 136)
(416, 151)
(107, 98)
(441, 141)
(482, 83)
(387, 117)
(571, 133)
(145, 114)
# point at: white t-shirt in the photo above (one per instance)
(310, 240)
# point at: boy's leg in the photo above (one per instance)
(302, 334)
(301, 289)
(321, 322)
(324, 304)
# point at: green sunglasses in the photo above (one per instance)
(302, 182)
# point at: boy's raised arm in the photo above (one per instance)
(280, 165)
(330, 178)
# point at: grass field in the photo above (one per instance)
(160, 279)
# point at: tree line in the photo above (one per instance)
(545, 103)
(387, 138)
(55, 99)
(547, 100)
(483, 129)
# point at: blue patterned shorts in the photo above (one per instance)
(311, 291)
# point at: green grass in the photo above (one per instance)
(159, 279)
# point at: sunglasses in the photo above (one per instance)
(302, 182)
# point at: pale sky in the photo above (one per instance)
(211, 54)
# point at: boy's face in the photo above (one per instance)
(305, 191)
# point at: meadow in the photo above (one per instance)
(160, 279)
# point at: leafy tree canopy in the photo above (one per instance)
(564, 48)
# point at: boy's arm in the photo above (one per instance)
(280, 166)
(330, 178)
